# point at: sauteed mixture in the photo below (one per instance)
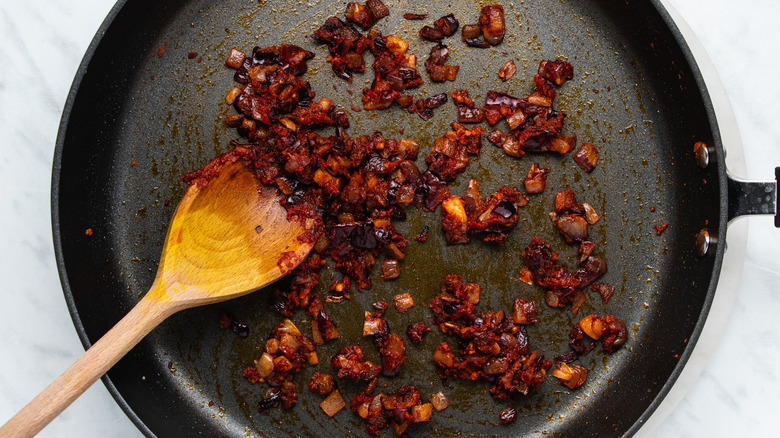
(349, 189)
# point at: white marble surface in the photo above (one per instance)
(41, 45)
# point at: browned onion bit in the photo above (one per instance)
(536, 180)
(491, 21)
(569, 217)
(394, 71)
(606, 290)
(398, 409)
(491, 346)
(403, 302)
(424, 107)
(587, 157)
(490, 218)
(435, 67)
(557, 71)
(390, 269)
(507, 70)
(562, 286)
(523, 311)
(410, 16)
(612, 332)
(417, 331)
(450, 153)
(467, 111)
(287, 352)
(447, 25)
(366, 15)
(321, 383)
(235, 58)
(349, 363)
(346, 47)
(570, 376)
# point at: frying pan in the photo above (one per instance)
(636, 94)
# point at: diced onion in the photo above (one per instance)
(333, 403)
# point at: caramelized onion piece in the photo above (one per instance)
(536, 180)
(570, 376)
(440, 401)
(403, 302)
(491, 21)
(590, 213)
(587, 157)
(333, 403)
(507, 71)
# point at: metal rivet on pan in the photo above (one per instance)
(703, 241)
(702, 154)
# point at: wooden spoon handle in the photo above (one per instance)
(98, 359)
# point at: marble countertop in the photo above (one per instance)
(736, 394)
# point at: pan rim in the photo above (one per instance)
(688, 55)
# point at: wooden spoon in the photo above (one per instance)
(226, 239)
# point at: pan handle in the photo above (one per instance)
(754, 197)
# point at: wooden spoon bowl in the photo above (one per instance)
(227, 238)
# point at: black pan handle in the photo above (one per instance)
(754, 197)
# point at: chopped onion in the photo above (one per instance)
(333, 403)
(371, 325)
(440, 401)
(231, 96)
(265, 365)
(421, 412)
(590, 213)
(592, 326)
(403, 302)
(288, 326)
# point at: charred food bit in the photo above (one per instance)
(435, 67)
(392, 349)
(287, 351)
(410, 16)
(492, 347)
(490, 218)
(508, 415)
(346, 47)
(394, 71)
(349, 363)
(467, 111)
(443, 27)
(536, 180)
(415, 332)
(321, 383)
(490, 29)
(557, 71)
(424, 107)
(366, 15)
(612, 331)
(450, 153)
(562, 287)
(398, 409)
(227, 320)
